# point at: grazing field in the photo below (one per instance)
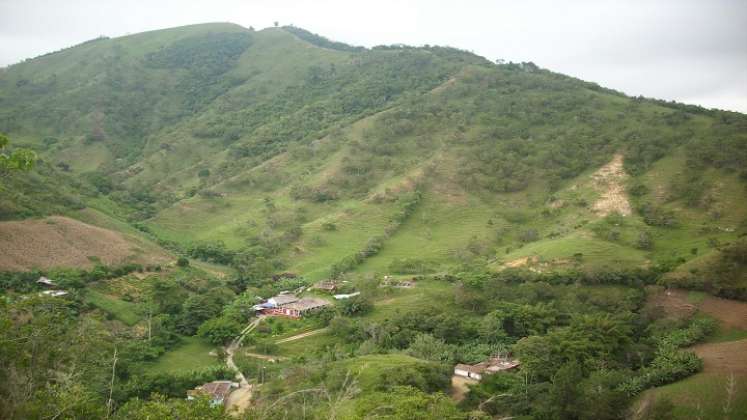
(705, 395)
(63, 242)
(124, 311)
(192, 353)
(307, 346)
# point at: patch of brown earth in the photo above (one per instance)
(521, 262)
(731, 313)
(460, 387)
(673, 303)
(609, 180)
(727, 357)
(63, 242)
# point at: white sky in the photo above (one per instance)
(692, 51)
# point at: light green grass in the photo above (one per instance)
(367, 369)
(124, 311)
(356, 223)
(434, 232)
(424, 294)
(306, 346)
(595, 252)
(193, 353)
(703, 396)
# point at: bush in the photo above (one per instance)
(182, 262)
(668, 366)
(356, 305)
(219, 330)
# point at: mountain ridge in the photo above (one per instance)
(194, 133)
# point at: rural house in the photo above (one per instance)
(290, 306)
(216, 390)
(488, 367)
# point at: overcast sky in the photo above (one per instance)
(692, 51)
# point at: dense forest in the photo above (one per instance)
(465, 209)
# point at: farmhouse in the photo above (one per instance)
(290, 306)
(216, 390)
(488, 367)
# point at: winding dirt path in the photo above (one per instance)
(239, 399)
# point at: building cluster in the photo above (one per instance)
(290, 305)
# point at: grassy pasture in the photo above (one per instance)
(192, 353)
(126, 312)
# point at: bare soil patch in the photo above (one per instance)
(521, 262)
(239, 400)
(731, 313)
(609, 180)
(459, 387)
(673, 303)
(727, 357)
(63, 242)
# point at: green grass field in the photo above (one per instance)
(193, 353)
(704, 396)
(307, 346)
(124, 311)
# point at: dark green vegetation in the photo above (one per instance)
(538, 206)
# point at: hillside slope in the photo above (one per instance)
(280, 150)
(64, 242)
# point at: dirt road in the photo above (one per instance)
(239, 399)
(300, 336)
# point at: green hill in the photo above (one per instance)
(279, 150)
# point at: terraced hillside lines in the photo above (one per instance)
(63, 242)
(435, 232)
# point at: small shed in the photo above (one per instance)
(469, 371)
(46, 282)
(488, 367)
